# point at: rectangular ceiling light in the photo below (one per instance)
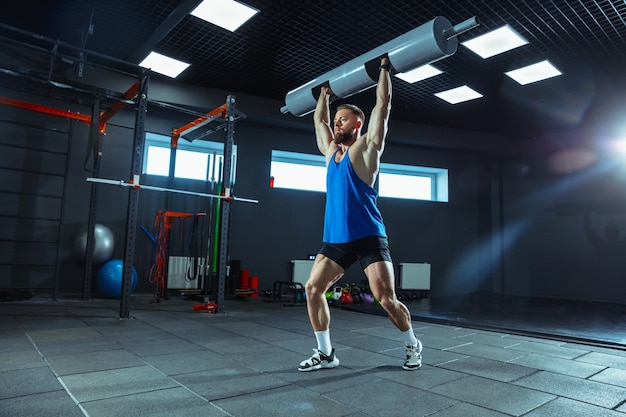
(533, 73)
(418, 74)
(458, 95)
(164, 64)
(495, 42)
(228, 14)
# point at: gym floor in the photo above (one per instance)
(77, 358)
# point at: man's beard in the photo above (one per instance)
(342, 137)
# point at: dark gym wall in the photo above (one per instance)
(33, 154)
(513, 224)
(548, 250)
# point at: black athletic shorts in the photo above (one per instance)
(367, 251)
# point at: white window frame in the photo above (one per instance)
(214, 150)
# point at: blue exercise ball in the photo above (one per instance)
(109, 278)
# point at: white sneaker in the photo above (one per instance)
(319, 360)
(413, 357)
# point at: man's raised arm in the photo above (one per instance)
(323, 129)
(378, 124)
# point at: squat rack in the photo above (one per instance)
(228, 113)
(138, 96)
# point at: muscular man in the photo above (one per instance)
(353, 226)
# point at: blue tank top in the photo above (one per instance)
(351, 212)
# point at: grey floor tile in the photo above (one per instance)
(490, 339)
(113, 324)
(207, 334)
(68, 335)
(14, 339)
(555, 342)
(443, 331)
(165, 344)
(591, 392)
(437, 357)
(391, 399)
(611, 360)
(488, 352)
(8, 323)
(616, 351)
(269, 334)
(383, 332)
(292, 324)
(267, 358)
(129, 331)
(341, 325)
(170, 402)
(341, 336)
(244, 363)
(425, 378)
(558, 365)
(494, 395)
(21, 359)
(443, 343)
(178, 325)
(32, 324)
(235, 345)
(78, 363)
(115, 383)
(549, 350)
(373, 343)
(499, 371)
(611, 376)
(302, 345)
(75, 346)
(56, 403)
(91, 310)
(27, 381)
(237, 327)
(188, 362)
(563, 407)
(325, 380)
(360, 360)
(215, 384)
(288, 401)
(467, 410)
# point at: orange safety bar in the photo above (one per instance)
(44, 109)
(131, 93)
(199, 122)
(104, 116)
(170, 214)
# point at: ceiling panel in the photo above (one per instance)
(289, 43)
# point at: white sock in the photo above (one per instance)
(409, 337)
(323, 342)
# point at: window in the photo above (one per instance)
(413, 182)
(198, 160)
(298, 171)
(306, 172)
(415, 187)
(191, 164)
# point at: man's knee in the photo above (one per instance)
(315, 287)
(386, 302)
(389, 302)
(310, 288)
